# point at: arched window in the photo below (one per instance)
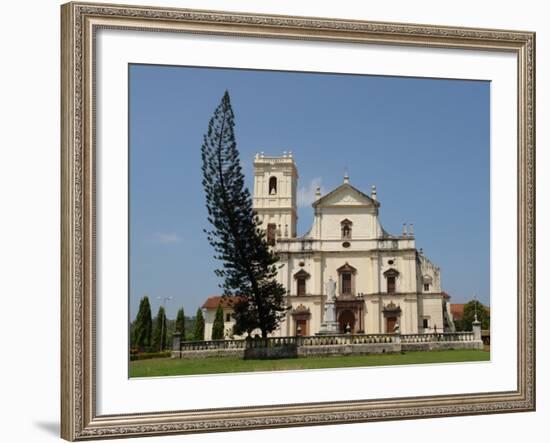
(427, 280)
(346, 229)
(271, 233)
(273, 186)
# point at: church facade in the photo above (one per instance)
(380, 283)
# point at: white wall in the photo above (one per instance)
(432, 308)
(29, 234)
(365, 224)
(210, 316)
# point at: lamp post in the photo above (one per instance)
(163, 302)
(476, 325)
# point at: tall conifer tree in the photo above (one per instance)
(218, 326)
(199, 326)
(143, 326)
(249, 265)
(180, 323)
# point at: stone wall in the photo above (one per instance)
(209, 353)
(302, 351)
(363, 349)
(441, 346)
(291, 347)
(271, 353)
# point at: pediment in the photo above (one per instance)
(346, 195)
(301, 274)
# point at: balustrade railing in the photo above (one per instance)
(211, 345)
(437, 337)
(325, 340)
(346, 339)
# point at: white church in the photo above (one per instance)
(380, 282)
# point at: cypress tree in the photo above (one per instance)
(199, 326)
(143, 325)
(180, 323)
(218, 326)
(159, 334)
(249, 266)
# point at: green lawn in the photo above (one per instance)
(215, 365)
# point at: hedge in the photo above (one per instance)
(148, 355)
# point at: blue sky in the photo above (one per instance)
(424, 143)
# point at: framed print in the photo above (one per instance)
(285, 221)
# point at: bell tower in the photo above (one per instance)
(274, 199)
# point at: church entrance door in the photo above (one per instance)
(390, 324)
(301, 327)
(346, 318)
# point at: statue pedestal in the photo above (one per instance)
(330, 326)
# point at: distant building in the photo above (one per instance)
(382, 281)
(209, 308)
(457, 310)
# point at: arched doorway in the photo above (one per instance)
(345, 318)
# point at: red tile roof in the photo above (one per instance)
(213, 302)
(457, 310)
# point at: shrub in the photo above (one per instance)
(150, 355)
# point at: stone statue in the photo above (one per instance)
(347, 329)
(330, 325)
(330, 288)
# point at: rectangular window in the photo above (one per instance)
(426, 286)
(425, 323)
(227, 317)
(346, 232)
(301, 282)
(271, 231)
(346, 283)
(391, 285)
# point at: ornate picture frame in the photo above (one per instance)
(80, 22)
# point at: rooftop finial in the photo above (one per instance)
(318, 192)
(346, 176)
(373, 192)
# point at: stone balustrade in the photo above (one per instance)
(437, 337)
(207, 345)
(346, 339)
(341, 344)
